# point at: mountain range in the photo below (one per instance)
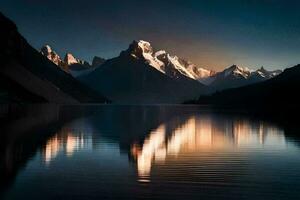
(235, 76)
(139, 75)
(278, 92)
(174, 67)
(136, 77)
(70, 64)
(27, 76)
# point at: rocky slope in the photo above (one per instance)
(138, 76)
(31, 77)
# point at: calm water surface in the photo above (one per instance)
(150, 152)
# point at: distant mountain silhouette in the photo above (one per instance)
(135, 78)
(74, 66)
(27, 76)
(172, 79)
(97, 61)
(236, 76)
(139, 75)
(279, 91)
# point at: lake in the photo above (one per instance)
(145, 152)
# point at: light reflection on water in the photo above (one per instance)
(197, 134)
(152, 153)
(65, 142)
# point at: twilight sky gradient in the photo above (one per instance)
(213, 34)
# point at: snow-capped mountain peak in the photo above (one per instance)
(161, 60)
(159, 53)
(237, 71)
(176, 67)
(70, 59)
(265, 73)
(236, 76)
(247, 73)
(170, 65)
(143, 50)
(145, 46)
(175, 61)
(138, 48)
(200, 73)
(47, 51)
(70, 64)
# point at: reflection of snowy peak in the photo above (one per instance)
(172, 66)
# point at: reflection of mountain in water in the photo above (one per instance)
(151, 135)
(23, 130)
(203, 134)
(65, 142)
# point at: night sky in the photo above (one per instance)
(212, 34)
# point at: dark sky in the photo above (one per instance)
(212, 34)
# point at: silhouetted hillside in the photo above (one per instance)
(30, 77)
(130, 78)
(280, 91)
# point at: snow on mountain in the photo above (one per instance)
(27, 76)
(71, 64)
(170, 65)
(161, 60)
(144, 49)
(51, 55)
(175, 61)
(140, 76)
(246, 73)
(199, 73)
(70, 59)
(280, 90)
(236, 76)
(237, 71)
(262, 72)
